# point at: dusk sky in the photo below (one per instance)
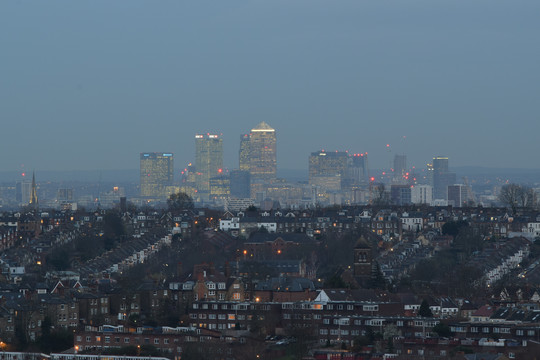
(91, 84)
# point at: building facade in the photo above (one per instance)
(208, 160)
(156, 174)
(262, 153)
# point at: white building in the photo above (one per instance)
(421, 194)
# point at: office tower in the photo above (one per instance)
(422, 194)
(23, 192)
(359, 172)
(64, 195)
(459, 195)
(441, 178)
(328, 169)
(220, 187)
(400, 194)
(240, 184)
(262, 153)
(156, 172)
(400, 167)
(208, 161)
(244, 156)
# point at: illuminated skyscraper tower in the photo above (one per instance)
(262, 152)
(208, 160)
(156, 174)
(243, 156)
(329, 169)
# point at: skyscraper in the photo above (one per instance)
(262, 152)
(400, 167)
(359, 168)
(208, 161)
(240, 184)
(156, 173)
(441, 178)
(327, 168)
(243, 156)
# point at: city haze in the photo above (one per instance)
(92, 85)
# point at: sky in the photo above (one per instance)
(91, 84)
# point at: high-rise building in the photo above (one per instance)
(157, 174)
(441, 178)
(359, 169)
(262, 153)
(244, 153)
(400, 194)
(422, 194)
(23, 192)
(240, 184)
(328, 167)
(400, 167)
(208, 160)
(459, 195)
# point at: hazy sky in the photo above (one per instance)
(91, 84)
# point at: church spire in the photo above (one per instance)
(33, 196)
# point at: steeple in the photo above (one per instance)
(33, 197)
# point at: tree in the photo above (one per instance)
(380, 196)
(180, 201)
(442, 330)
(517, 196)
(453, 227)
(424, 310)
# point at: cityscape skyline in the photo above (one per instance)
(353, 75)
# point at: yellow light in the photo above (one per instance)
(245, 252)
(257, 299)
(279, 251)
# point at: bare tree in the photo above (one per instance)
(510, 195)
(518, 196)
(380, 196)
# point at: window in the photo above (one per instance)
(107, 339)
(165, 341)
(156, 341)
(236, 296)
(323, 331)
(126, 340)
